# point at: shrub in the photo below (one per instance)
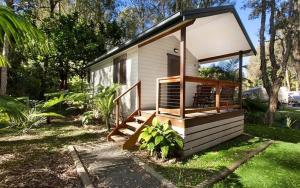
(104, 102)
(23, 116)
(254, 105)
(160, 139)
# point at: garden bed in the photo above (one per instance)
(39, 158)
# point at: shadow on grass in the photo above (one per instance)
(185, 177)
(233, 180)
(195, 169)
(53, 141)
(242, 140)
(274, 133)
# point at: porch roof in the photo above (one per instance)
(214, 33)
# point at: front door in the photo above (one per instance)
(173, 65)
(173, 88)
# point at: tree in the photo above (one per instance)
(78, 41)
(281, 31)
(15, 31)
(296, 41)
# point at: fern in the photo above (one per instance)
(12, 108)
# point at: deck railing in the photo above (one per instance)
(212, 94)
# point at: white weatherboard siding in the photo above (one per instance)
(201, 137)
(153, 64)
(102, 74)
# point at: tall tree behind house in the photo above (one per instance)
(281, 29)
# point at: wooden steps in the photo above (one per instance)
(127, 133)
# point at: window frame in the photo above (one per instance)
(120, 70)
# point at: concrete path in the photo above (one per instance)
(109, 166)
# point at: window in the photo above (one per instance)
(119, 74)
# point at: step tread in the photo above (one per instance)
(141, 118)
(134, 125)
(119, 138)
(126, 131)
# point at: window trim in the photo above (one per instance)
(120, 70)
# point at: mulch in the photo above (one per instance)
(38, 169)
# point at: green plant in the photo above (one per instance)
(23, 116)
(87, 117)
(160, 139)
(290, 122)
(77, 100)
(254, 105)
(104, 101)
(12, 108)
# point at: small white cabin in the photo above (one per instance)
(162, 63)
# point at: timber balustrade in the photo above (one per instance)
(117, 100)
(207, 95)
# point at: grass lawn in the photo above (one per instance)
(278, 166)
(194, 170)
(39, 158)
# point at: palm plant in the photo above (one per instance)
(12, 108)
(16, 30)
(104, 102)
(23, 116)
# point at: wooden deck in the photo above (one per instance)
(205, 129)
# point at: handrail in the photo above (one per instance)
(134, 85)
(197, 79)
(138, 100)
(218, 84)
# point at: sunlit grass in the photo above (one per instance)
(277, 167)
(194, 170)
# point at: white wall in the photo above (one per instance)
(153, 64)
(102, 73)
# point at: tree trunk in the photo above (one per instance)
(287, 78)
(296, 41)
(270, 115)
(107, 123)
(5, 52)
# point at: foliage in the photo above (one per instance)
(227, 70)
(104, 102)
(12, 108)
(75, 42)
(254, 105)
(87, 117)
(160, 139)
(25, 116)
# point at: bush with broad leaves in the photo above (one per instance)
(160, 140)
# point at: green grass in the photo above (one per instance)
(42, 152)
(274, 133)
(194, 170)
(278, 166)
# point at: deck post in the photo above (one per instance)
(182, 70)
(138, 96)
(240, 77)
(157, 96)
(218, 96)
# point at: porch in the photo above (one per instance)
(203, 111)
